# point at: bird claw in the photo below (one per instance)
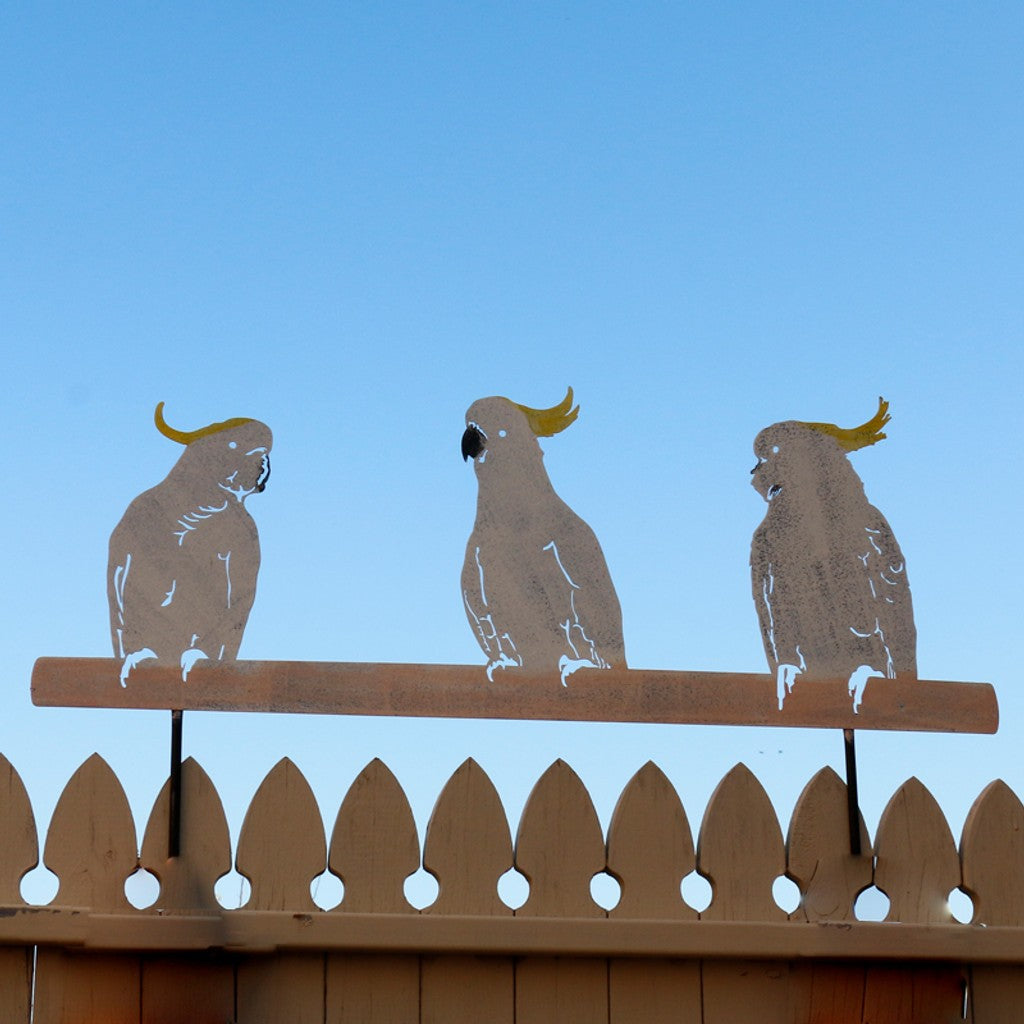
(133, 659)
(785, 678)
(188, 659)
(567, 665)
(858, 682)
(503, 661)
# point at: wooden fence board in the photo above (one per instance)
(654, 992)
(287, 987)
(15, 984)
(748, 992)
(282, 847)
(19, 849)
(913, 994)
(187, 881)
(374, 846)
(87, 988)
(996, 994)
(650, 851)
(741, 873)
(992, 857)
(467, 990)
(187, 990)
(463, 691)
(372, 989)
(829, 877)
(561, 990)
(827, 993)
(559, 817)
(90, 845)
(916, 866)
(468, 847)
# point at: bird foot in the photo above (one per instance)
(188, 659)
(503, 661)
(785, 677)
(858, 683)
(567, 665)
(133, 659)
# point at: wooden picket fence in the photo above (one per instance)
(91, 957)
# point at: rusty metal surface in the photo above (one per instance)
(462, 691)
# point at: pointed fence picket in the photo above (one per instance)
(467, 957)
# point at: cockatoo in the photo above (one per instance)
(828, 577)
(535, 585)
(184, 558)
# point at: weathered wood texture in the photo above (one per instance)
(463, 691)
(468, 957)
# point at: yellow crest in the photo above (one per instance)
(852, 438)
(547, 422)
(188, 436)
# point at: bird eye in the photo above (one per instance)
(232, 444)
(502, 433)
(775, 449)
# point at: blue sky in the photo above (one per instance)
(351, 221)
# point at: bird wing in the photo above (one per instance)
(890, 604)
(581, 591)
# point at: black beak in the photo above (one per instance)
(472, 443)
(261, 484)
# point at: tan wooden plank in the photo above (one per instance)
(467, 990)
(650, 848)
(914, 994)
(256, 931)
(742, 873)
(561, 990)
(825, 993)
(374, 845)
(650, 851)
(749, 992)
(468, 848)
(996, 994)
(15, 985)
(559, 847)
(654, 992)
(284, 987)
(992, 859)
(198, 990)
(462, 691)
(85, 988)
(187, 881)
(282, 847)
(90, 845)
(916, 863)
(818, 852)
(992, 856)
(372, 989)
(19, 851)
(916, 866)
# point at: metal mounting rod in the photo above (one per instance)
(174, 801)
(852, 804)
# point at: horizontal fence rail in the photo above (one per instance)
(90, 955)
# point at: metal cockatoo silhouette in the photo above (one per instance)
(184, 558)
(535, 584)
(828, 576)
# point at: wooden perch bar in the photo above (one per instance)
(463, 691)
